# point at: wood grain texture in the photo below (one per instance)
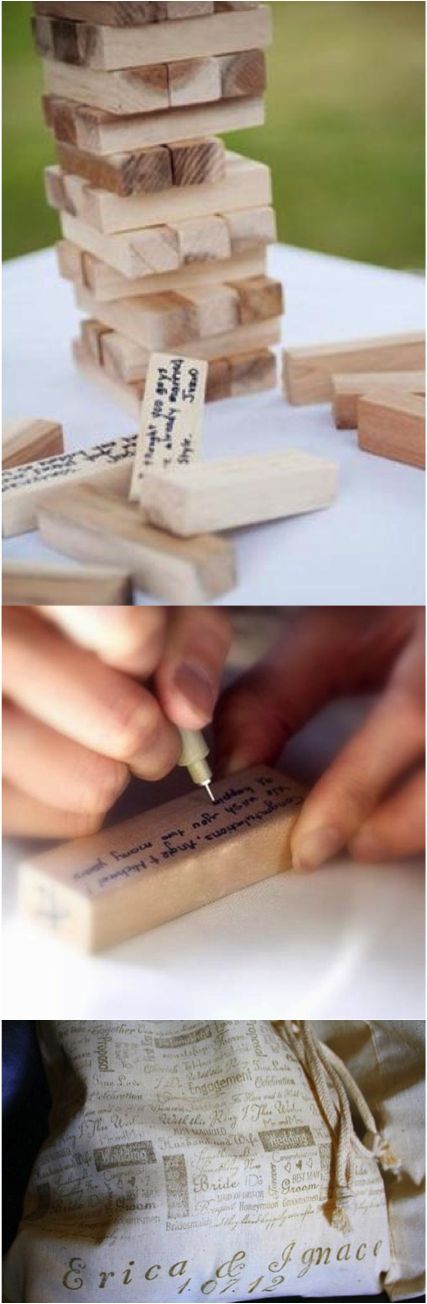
(307, 372)
(391, 424)
(99, 48)
(243, 74)
(347, 390)
(140, 90)
(27, 583)
(124, 14)
(24, 488)
(251, 226)
(108, 284)
(194, 81)
(122, 174)
(212, 310)
(239, 491)
(93, 334)
(131, 318)
(259, 297)
(193, 856)
(29, 440)
(105, 133)
(250, 373)
(196, 161)
(171, 418)
(99, 527)
(123, 395)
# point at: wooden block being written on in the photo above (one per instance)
(392, 424)
(89, 47)
(128, 879)
(238, 491)
(170, 428)
(30, 439)
(30, 583)
(25, 487)
(122, 174)
(307, 372)
(98, 527)
(347, 390)
(196, 161)
(259, 297)
(105, 133)
(108, 284)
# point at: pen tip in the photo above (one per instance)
(207, 785)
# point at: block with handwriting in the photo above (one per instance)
(171, 416)
(24, 488)
(100, 890)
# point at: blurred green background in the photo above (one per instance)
(344, 132)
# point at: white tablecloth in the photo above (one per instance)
(296, 945)
(369, 547)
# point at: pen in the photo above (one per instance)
(193, 756)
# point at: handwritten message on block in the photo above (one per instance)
(171, 417)
(25, 487)
(128, 879)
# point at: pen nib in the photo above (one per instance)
(208, 786)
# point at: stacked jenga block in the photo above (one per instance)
(164, 231)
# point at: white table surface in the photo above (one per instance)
(324, 945)
(367, 548)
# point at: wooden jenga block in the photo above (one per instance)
(196, 161)
(251, 373)
(139, 90)
(122, 174)
(129, 395)
(194, 81)
(125, 880)
(239, 491)
(243, 73)
(203, 239)
(93, 333)
(131, 318)
(100, 48)
(218, 384)
(251, 227)
(308, 372)
(259, 297)
(25, 487)
(29, 583)
(124, 14)
(105, 133)
(170, 426)
(391, 423)
(54, 184)
(126, 396)
(29, 440)
(106, 283)
(139, 254)
(123, 359)
(92, 526)
(213, 310)
(347, 390)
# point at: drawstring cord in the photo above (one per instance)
(335, 1088)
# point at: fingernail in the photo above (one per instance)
(315, 848)
(195, 684)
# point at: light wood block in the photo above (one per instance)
(194, 81)
(92, 526)
(122, 174)
(93, 333)
(108, 284)
(243, 73)
(29, 440)
(24, 488)
(138, 254)
(227, 378)
(251, 227)
(124, 14)
(99, 48)
(212, 310)
(126, 396)
(98, 891)
(251, 373)
(392, 424)
(141, 90)
(28, 583)
(259, 297)
(347, 390)
(308, 372)
(105, 133)
(239, 491)
(170, 425)
(203, 239)
(130, 319)
(246, 186)
(197, 161)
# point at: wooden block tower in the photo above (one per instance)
(164, 231)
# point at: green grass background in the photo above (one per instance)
(344, 133)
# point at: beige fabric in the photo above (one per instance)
(388, 1061)
(197, 1161)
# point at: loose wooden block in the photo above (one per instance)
(99, 48)
(27, 583)
(122, 174)
(128, 879)
(243, 73)
(239, 491)
(99, 527)
(25, 487)
(105, 133)
(308, 372)
(108, 284)
(347, 390)
(251, 373)
(196, 161)
(29, 440)
(259, 297)
(251, 227)
(246, 186)
(392, 424)
(194, 81)
(170, 426)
